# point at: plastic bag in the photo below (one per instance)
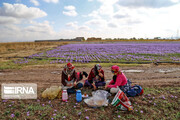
(121, 101)
(98, 99)
(52, 92)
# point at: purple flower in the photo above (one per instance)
(76, 103)
(141, 111)
(54, 114)
(119, 116)
(10, 105)
(148, 95)
(87, 117)
(86, 110)
(38, 100)
(52, 118)
(154, 104)
(64, 117)
(79, 113)
(55, 110)
(12, 115)
(175, 96)
(28, 113)
(42, 104)
(136, 110)
(74, 106)
(153, 97)
(172, 96)
(4, 100)
(49, 102)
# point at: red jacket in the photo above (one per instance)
(92, 76)
(121, 80)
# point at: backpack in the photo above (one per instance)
(135, 91)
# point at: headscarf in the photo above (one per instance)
(68, 69)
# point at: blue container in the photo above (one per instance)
(78, 96)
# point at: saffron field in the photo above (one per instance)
(109, 52)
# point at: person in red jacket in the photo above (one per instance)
(96, 77)
(119, 80)
(69, 78)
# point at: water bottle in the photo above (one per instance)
(64, 95)
(78, 96)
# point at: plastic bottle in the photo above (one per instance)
(64, 95)
(78, 96)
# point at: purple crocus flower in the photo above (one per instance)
(87, 117)
(12, 115)
(28, 113)
(79, 113)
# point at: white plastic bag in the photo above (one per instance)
(98, 99)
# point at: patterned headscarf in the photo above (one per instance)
(68, 69)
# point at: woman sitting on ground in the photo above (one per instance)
(119, 81)
(69, 79)
(96, 77)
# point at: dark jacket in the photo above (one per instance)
(93, 74)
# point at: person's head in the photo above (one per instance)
(69, 67)
(97, 67)
(115, 69)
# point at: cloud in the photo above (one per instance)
(96, 22)
(75, 26)
(35, 2)
(84, 28)
(72, 24)
(53, 1)
(112, 25)
(120, 16)
(147, 3)
(21, 11)
(70, 11)
(34, 31)
(8, 20)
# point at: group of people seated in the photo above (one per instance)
(73, 80)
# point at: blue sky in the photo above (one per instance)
(29, 20)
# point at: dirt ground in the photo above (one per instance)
(46, 76)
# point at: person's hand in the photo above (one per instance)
(94, 86)
(106, 87)
(69, 85)
(100, 74)
(75, 83)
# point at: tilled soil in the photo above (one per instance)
(148, 76)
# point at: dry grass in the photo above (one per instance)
(22, 49)
(18, 46)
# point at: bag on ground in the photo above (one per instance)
(52, 92)
(122, 102)
(135, 91)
